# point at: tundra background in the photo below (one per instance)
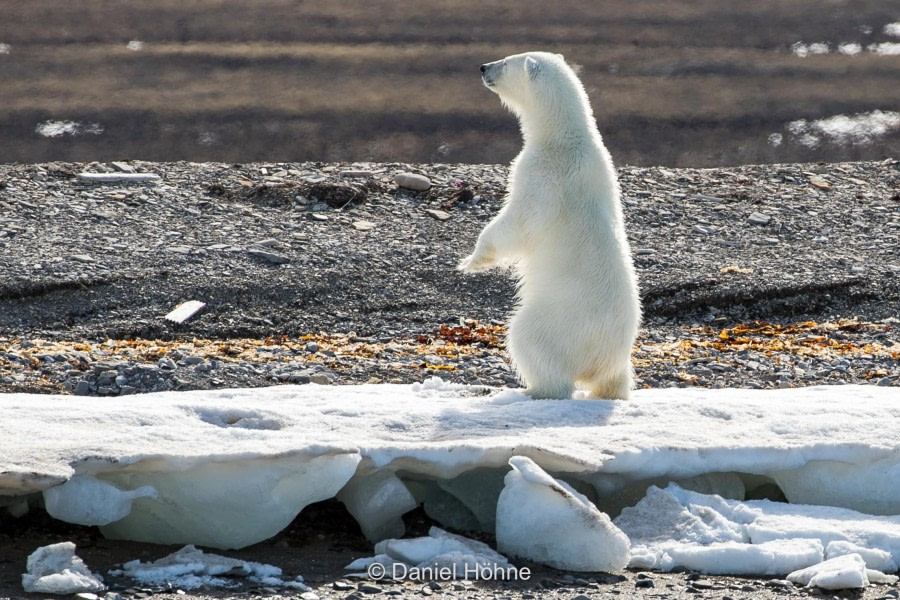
(701, 83)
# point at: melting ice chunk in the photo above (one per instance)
(840, 573)
(86, 500)
(55, 569)
(545, 520)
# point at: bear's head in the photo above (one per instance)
(522, 79)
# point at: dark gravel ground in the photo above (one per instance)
(279, 252)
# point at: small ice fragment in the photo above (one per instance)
(185, 311)
(55, 569)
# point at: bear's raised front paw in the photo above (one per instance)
(470, 265)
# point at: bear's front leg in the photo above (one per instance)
(492, 248)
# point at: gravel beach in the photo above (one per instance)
(757, 276)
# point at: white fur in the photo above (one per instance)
(562, 226)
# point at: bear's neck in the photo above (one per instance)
(565, 121)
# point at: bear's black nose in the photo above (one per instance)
(483, 68)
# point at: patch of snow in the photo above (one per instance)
(135, 45)
(803, 50)
(191, 568)
(5, 48)
(850, 48)
(674, 527)
(60, 128)
(55, 569)
(885, 49)
(545, 520)
(892, 29)
(857, 130)
(775, 139)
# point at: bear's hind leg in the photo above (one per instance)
(612, 388)
(539, 361)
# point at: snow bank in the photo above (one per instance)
(229, 468)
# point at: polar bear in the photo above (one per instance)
(562, 228)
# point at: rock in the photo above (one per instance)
(412, 181)
(644, 583)
(759, 219)
(368, 588)
(166, 363)
(117, 177)
(316, 216)
(83, 388)
(82, 258)
(320, 378)
(819, 183)
(440, 215)
(363, 225)
(703, 229)
(270, 257)
(354, 173)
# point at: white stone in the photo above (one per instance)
(412, 181)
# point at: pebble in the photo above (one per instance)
(363, 225)
(440, 215)
(271, 257)
(368, 588)
(412, 181)
(759, 219)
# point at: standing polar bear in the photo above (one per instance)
(562, 226)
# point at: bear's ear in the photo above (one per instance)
(532, 67)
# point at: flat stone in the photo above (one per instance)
(363, 225)
(412, 181)
(315, 216)
(759, 219)
(356, 174)
(117, 177)
(703, 229)
(271, 257)
(82, 258)
(368, 588)
(440, 215)
(819, 183)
